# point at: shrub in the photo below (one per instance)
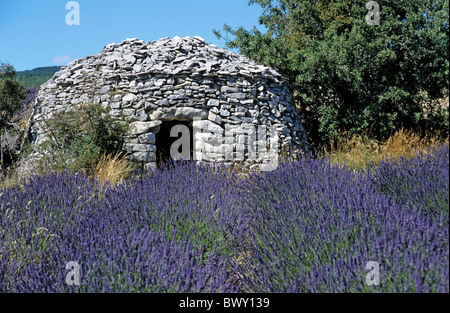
(78, 137)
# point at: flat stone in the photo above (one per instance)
(224, 113)
(199, 38)
(141, 115)
(143, 156)
(247, 102)
(138, 128)
(227, 89)
(127, 112)
(208, 126)
(116, 113)
(104, 89)
(213, 102)
(137, 147)
(177, 97)
(214, 118)
(130, 97)
(163, 114)
(149, 138)
(190, 113)
(129, 59)
(163, 102)
(149, 105)
(238, 96)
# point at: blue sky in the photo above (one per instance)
(34, 33)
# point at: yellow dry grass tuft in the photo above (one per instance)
(358, 151)
(112, 168)
(407, 144)
(355, 151)
(11, 179)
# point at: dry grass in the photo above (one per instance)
(407, 144)
(358, 151)
(355, 151)
(11, 179)
(112, 169)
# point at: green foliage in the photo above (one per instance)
(12, 93)
(37, 76)
(78, 137)
(351, 76)
(46, 70)
(33, 80)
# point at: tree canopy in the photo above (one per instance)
(12, 93)
(348, 74)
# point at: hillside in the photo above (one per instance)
(37, 76)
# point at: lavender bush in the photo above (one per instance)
(306, 227)
(166, 233)
(419, 183)
(315, 227)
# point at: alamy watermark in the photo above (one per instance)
(73, 16)
(373, 17)
(373, 277)
(73, 277)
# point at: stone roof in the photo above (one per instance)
(189, 55)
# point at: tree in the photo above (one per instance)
(12, 93)
(347, 74)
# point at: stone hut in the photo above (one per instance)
(224, 99)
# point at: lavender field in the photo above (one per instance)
(308, 226)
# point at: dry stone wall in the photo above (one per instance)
(175, 79)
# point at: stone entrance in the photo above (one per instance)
(171, 134)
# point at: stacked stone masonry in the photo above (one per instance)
(174, 79)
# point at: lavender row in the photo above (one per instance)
(419, 183)
(316, 227)
(306, 227)
(165, 233)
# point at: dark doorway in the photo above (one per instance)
(164, 142)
